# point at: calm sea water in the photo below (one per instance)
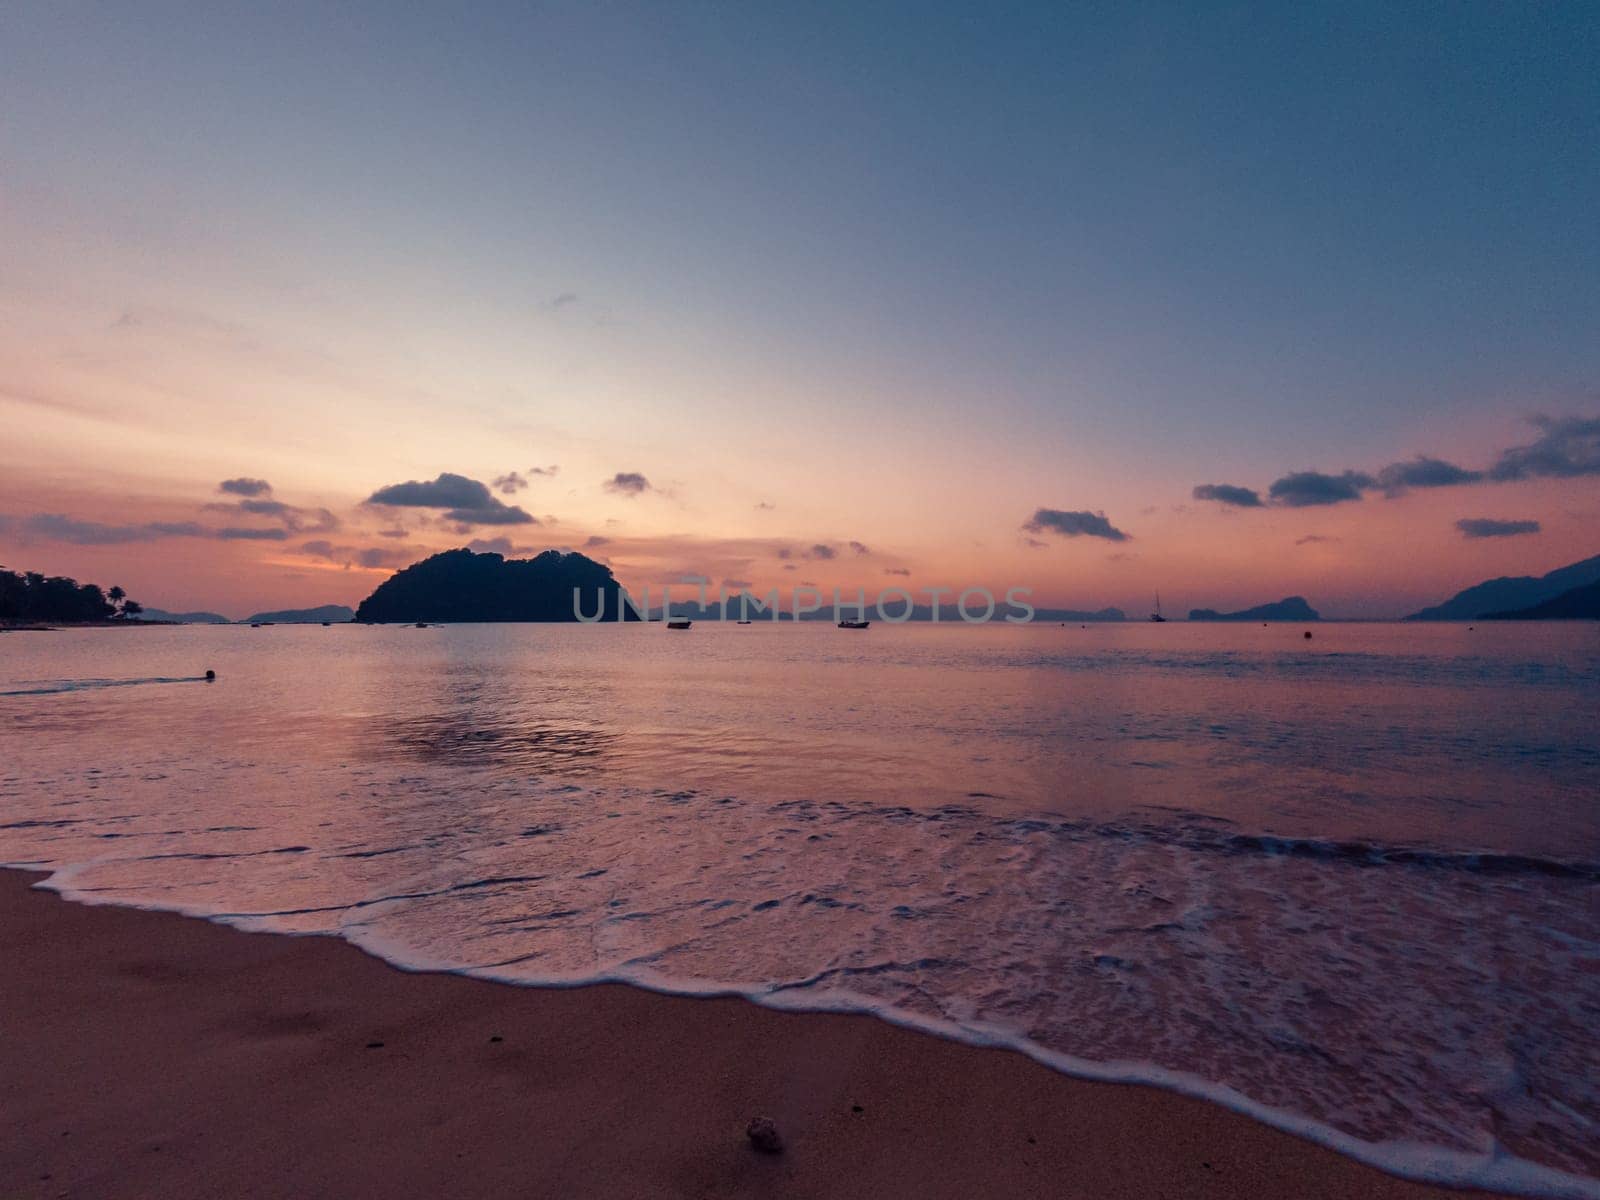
(1348, 885)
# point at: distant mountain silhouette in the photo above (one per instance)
(1511, 594)
(1291, 608)
(1577, 604)
(712, 611)
(185, 618)
(305, 616)
(1073, 614)
(459, 585)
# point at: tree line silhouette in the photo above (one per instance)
(30, 596)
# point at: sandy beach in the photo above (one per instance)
(152, 1055)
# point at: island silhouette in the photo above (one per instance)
(460, 585)
(1290, 608)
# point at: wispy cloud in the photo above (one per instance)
(245, 487)
(1490, 527)
(58, 527)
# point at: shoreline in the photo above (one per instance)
(152, 1053)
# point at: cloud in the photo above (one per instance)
(58, 527)
(510, 483)
(696, 580)
(295, 520)
(467, 501)
(737, 584)
(1074, 524)
(627, 483)
(820, 551)
(1034, 543)
(1424, 472)
(1309, 489)
(564, 300)
(859, 548)
(1313, 539)
(900, 570)
(1488, 527)
(1566, 448)
(233, 534)
(245, 487)
(765, 505)
(393, 533)
(595, 540)
(1227, 493)
(371, 557)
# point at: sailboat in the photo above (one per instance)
(1156, 616)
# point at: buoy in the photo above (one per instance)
(1308, 635)
(210, 675)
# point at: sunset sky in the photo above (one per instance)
(857, 294)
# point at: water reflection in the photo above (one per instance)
(482, 738)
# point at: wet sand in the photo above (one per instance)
(150, 1055)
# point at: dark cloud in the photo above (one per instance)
(784, 552)
(859, 548)
(822, 552)
(1312, 539)
(466, 501)
(1488, 527)
(510, 483)
(1424, 472)
(1074, 524)
(595, 540)
(896, 571)
(1034, 543)
(1227, 493)
(1567, 447)
(233, 534)
(58, 527)
(627, 483)
(393, 533)
(1309, 489)
(738, 584)
(245, 487)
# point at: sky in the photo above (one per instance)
(854, 295)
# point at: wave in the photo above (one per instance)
(56, 687)
(1493, 1169)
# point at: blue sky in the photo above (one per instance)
(1082, 256)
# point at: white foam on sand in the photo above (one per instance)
(1491, 1169)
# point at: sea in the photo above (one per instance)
(1348, 885)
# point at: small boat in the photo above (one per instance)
(255, 624)
(741, 622)
(679, 623)
(327, 623)
(422, 624)
(1156, 616)
(856, 623)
